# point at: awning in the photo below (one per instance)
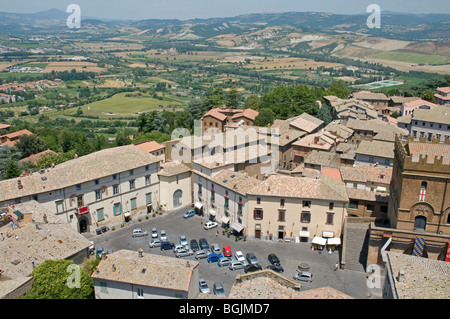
(128, 214)
(327, 234)
(198, 205)
(225, 220)
(319, 241)
(212, 212)
(304, 233)
(237, 227)
(334, 241)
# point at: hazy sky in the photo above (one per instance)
(186, 9)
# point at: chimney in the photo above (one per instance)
(140, 252)
(401, 276)
(114, 268)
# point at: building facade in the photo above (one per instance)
(284, 207)
(103, 187)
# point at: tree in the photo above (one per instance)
(215, 98)
(11, 170)
(233, 98)
(197, 108)
(324, 114)
(266, 116)
(339, 89)
(252, 102)
(30, 144)
(428, 95)
(58, 279)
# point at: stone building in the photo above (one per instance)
(419, 203)
(127, 274)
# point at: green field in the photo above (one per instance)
(413, 57)
(122, 104)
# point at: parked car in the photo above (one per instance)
(183, 240)
(275, 268)
(189, 213)
(203, 244)
(227, 251)
(100, 250)
(165, 245)
(209, 225)
(273, 259)
(215, 249)
(203, 286)
(137, 232)
(219, 290)
(212, 258)
(184, 252)
(252, 267)
(163, 236)
(303, 276)
(240, 256)
(236, 264)
(251, 258)
(194, 245)
(154, 233)
(200, 254)
(178, 247)
(155, 243)
(223, 262)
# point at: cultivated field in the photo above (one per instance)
(128, 105)
(70, 65)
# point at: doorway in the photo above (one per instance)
(83, 225)
(419, 223)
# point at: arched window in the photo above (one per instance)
(423, 190)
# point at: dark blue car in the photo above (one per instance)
(165, 245)
(189, 213)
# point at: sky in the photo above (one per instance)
(188, 9)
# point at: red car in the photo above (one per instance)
(227, 251)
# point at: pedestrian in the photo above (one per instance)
(217, 233)
(336, 267)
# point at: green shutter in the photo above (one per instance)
(100, 215)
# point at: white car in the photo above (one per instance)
(154, 243)
(163, 236)
(178, 247)
(240, 256)
(209, 225)
(183, 240)
(154, 233)
(137, 232)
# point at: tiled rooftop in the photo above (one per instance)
(376, 148)
(86, 168)
(430, 150)
(302, 187)
(37, 242)
(235, 181)
(173, 168)
(160, 271)
(365, 173)
(423, 278)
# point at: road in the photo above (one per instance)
(290, 254)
